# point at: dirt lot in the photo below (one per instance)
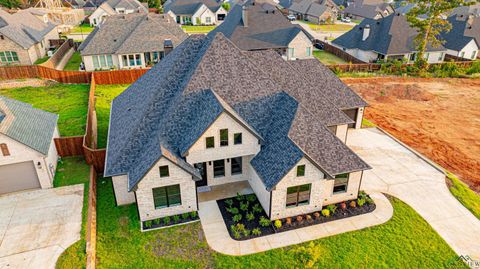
(440, 118)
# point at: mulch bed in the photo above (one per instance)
(159, 223)
(250, 225)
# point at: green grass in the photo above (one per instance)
(74, 63)
(329, 27)
(41, 60)
(327, 58)
(468, 198)
(406, 241)
(70, 101)
(367, 124)
(71, 171)
(83, 28)
(105, 95)
(198, 29)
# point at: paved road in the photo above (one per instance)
(401, 173)
(37, 226)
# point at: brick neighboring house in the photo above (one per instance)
(315, 11)
(24, 38)
(196, 12)
(211, 114)
(113, 7)
(463, 40)
(368, 9)
(261, 26)
(130, 41)
(390, 38)
(28, 157)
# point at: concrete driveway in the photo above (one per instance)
(37, 226)
(400, 172)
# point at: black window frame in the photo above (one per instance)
(223, 141)
(237, 138)
(340, 184)
(212, 140)
(215, 166)
(301, 170)
(164, 167)
(238, 164)
(296, 191)
(167, 192)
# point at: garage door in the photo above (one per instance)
(17, 177)
(352, 114)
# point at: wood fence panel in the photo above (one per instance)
(95, 157)
(69, 146)
(18, 72)
(59, 54)
(338, 52)
(118, 76)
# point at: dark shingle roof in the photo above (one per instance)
(27, 125)
(390, 35)
(464, 29)
(172, 104)
(263, 31)
(136, 32)
(368, 8)
(314, 8)
(189, 7)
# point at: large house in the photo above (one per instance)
(24, 38)
(28, 157)
(390, 38)
(130, 41)
(196, 12)
(256, 26)
(316, 11)
(463, 40)
(113, 7)
(368, 9)
(211, 114)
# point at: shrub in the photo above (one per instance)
(244, 206)
(264, 222)
(343, 205)
(369, 200)
(156, 221)
(185, 216)
(166, 220)
(278, 224)
(176, 218)
(251, 198)
(326, 212)
(250, 216)
(308, 217)
(237, 218)
(474, 69)
(307, 255)
(148, 223)
(256, 231)
(235, 231)
(193, 214)
(246, 232)
(332, 208)
(232, 210)
(353, 204)
(229, 202)
(299, 219)
(239, 197)
(288, 221)
(316, 215)
(257, 208)
(361, 201)
(362, 194)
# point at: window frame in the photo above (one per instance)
(235, 136)
(223, 142)
(168, 197)
(239, 163)
(295, 192)
(301, 173)
(212, 138)
(4, 149)
(9, 57)
(164, 167)
(215, 163)
(344, 179)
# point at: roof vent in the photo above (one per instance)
(114, 40)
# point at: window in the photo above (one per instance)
(341, 183)
(427, 55)
(164, 171)
(301, 170)
(440, 58)
(208, 20)
(237, 138)
(167, 196)
(236, 165)
(309, 51)
(131, 60)
(102, 61)
(219, 168)
(223, 137)
(298, 195)
(8, 57)
(413, 56)
(474, 54)
(291, 52)
(4, 149)
(462, 54)
(210, 142)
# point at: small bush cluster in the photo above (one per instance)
(170, 220)
(244, 210)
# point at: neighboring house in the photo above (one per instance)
(211, 114)
(113, 7)
(370, 9)
(390, 38)
(195, 12)
(130, 41)
(24, 38)
(463, 40)
(467, 10)
(264, 27)
(316, 11)
(28, 157)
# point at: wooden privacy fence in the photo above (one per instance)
(338, 52)
(59, 54)
(91, 236)
(377, 67)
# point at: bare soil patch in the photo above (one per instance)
(438, 117)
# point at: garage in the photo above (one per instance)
(18, 177)
(352, 114)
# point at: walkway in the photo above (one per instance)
(403, 174)
(219, 240)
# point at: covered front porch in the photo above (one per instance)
(218, 192)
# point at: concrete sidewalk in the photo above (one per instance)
(219, 240)
(403, 174)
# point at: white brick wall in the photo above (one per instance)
(300, 44)
(352, 189)
(259, 188)
(120, 187)
(342, 132)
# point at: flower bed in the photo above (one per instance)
(170, 221)
(246, 219)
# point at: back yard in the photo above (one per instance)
(437, 117)
(327, 58)
(70, 101)
(406, 241)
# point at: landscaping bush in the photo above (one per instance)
(185, 216)
(176, 218)
(156, 221)
(237, 218)
(232, 210)
(353, 204)
(288, 221)
(257, 208)
(148, 223)
(193, 214)
(361, 201)
(299, 219)
(229, 202)
(244, 206)
(240, 197)
(251, 198)
(278, 224)
(166, 220)
(256, 231)
(250, 216)
(474, 69)
(326, 212)
(264, 222)
(236, 231)
(246, 232)
(316, 215)
(343, 205)
(332, 208)
(308, 255)
(308, 217)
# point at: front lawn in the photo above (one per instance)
(327, 57)
(70, 101)
(71, 171)
(105, 94)
(329, 27)
(468, 198)
(74, 63)
(198, 29)
(406, 241)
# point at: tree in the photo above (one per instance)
(226, 6)
(10, 3)
(431, 23)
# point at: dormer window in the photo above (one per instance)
(4, 149)
(164, 171)
(301, 170)
(210, 142)
(223, 137)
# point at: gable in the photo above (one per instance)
(312, 173)
(176, 173)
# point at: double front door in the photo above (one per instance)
(202, 168)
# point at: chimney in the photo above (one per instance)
(366, 32)
(167, 46)
(244, 16)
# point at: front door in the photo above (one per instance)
(202, 168)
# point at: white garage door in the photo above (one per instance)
(17, 177)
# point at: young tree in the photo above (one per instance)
(10, 3)
(432, 23)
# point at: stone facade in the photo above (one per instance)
(301, 45)
(120, 187)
